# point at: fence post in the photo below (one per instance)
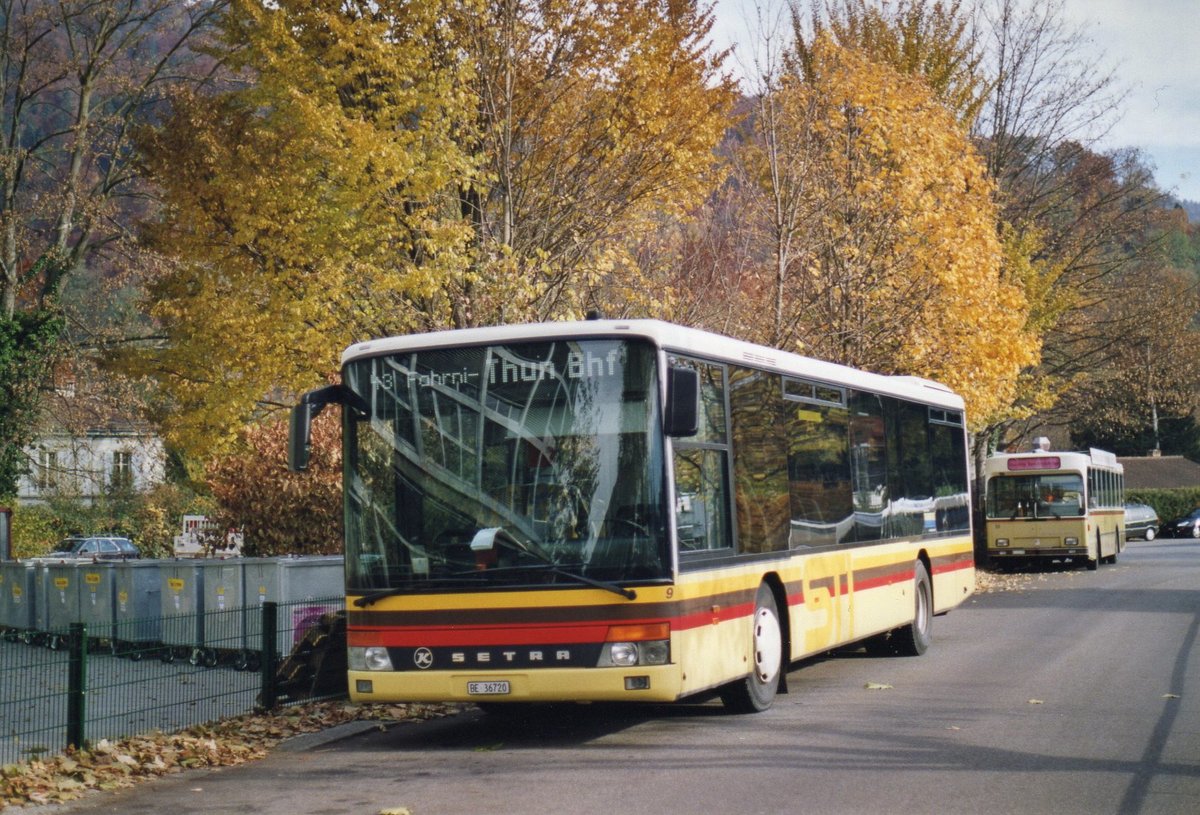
(76, 684)
(270, 653)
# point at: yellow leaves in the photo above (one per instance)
(892, 260)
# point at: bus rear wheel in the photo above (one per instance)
(757, 691)
(915, 638)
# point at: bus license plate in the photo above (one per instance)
(494, 688)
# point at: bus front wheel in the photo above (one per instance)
(757, 691)
(915, 638)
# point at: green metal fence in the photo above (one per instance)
(79, 685)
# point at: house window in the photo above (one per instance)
(122, 469)
(47, 470)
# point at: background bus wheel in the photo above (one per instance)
(757, 691)
(914, 639)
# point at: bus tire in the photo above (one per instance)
(757, 691)
(914, 639)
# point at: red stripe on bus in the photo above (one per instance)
(862, 584)
(943, 565)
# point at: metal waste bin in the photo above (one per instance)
(182, 602)
(138, 611)
(97, 598)
(61, 584)
(224, 606)
(18, 592)
(290, 581)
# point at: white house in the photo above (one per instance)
(87, 466)
(87, 448)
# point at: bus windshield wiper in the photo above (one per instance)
(376, 596)
(486, 539)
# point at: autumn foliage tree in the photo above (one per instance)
(310, 206)
(280, 512)
(378, 168)
(597, 123)
(75, 78)
(894, 263)
(1076, 219)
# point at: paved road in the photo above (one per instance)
(1077, 693)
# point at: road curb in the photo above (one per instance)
(340, 732)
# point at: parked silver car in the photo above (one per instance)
(96, 546)
(1141, 521)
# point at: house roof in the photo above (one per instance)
(1159, 472)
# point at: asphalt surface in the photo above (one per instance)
(1070, 692)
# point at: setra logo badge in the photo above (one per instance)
(423, 658)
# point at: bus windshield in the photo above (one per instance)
(1057, 495)
(522, 464)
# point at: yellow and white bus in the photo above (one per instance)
(633, 510)
(1046, 505)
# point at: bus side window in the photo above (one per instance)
(701, 464)
(701, 518)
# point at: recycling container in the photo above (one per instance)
(17, 594)
(138, 609)
(181, 598)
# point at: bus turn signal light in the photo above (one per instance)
(639, 632)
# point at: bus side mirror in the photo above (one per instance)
(300, 437)
(300, 425)
(682, 415)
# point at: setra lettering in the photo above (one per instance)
(507, 656)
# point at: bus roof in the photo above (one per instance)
(671, 337)
(1050, 461)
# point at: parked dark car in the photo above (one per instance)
(1187, 526)
(1141, 521)
(96, 546)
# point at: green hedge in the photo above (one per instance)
(1167, 503)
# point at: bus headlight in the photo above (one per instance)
(1071, 541)
(630, 654)
(371, 658)
(623, 654)
(1002, 541)
(657, 652)
(636, 644)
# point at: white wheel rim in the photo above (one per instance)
(922, 618)
(768, 645)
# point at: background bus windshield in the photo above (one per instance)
(504, 465)
(1057, 495)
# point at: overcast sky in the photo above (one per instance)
(1154, 45)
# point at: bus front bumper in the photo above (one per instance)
(1030, 551)
(656, 683)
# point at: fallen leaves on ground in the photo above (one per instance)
(107, 765)
(987, 582)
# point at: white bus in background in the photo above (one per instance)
(1045, 505)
